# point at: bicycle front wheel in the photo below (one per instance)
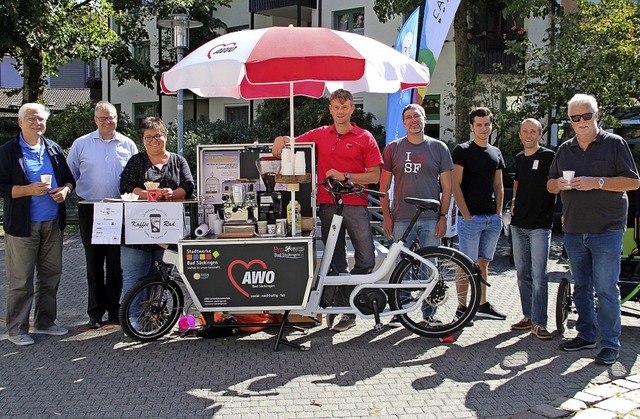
(151, 308)
(453, 301)
(563, 305)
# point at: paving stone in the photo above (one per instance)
(635, 378)
(572, 405)
(618, 405)
(588, 398)
(606, 390)
(594, 413)
(633, 395)
(549, 411)
(628, 384)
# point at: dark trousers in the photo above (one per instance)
(103, 290)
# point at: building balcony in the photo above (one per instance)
(490, 54)
(284, 8)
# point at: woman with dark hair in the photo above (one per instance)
(171, 172)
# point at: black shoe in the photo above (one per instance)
(486, 311)
(576, 344)
(607, 357)
(111, 321)
(93, 324)
(395, 322)
(460, 312)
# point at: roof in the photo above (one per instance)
(54, 99)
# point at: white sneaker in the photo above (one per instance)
(54, 330)
(21, 340)
(433, 322)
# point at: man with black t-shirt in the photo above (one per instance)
(479, 193)
(532, 217)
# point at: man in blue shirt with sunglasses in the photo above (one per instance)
(595, 207)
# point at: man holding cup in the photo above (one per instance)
(34, 183)
(96, 161)
(595, 208)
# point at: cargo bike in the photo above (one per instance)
(277, 275)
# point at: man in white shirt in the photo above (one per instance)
(96, 161)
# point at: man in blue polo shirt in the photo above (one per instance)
(34, 183)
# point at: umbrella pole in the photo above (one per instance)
(293, 155)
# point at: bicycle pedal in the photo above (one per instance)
(378, 327)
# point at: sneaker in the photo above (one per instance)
(607, 357)
(330, 318)
(486, 311)
(576, 344)
(433, 321)
(540, 332)
(346, 322)
(21, 340)
(54, 330)
(395, 322)
(460, 312)
(524, 324)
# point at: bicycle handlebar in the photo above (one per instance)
(335, 187)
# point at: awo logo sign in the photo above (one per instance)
(221, 49)
(248, 276)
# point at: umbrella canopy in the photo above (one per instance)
(279, 62)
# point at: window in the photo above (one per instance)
(142, 110)
(431, 105)
(142, 53)
(236, 113)
(351, 20)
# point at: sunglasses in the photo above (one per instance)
(586, 116)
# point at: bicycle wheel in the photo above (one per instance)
(440, 314)
(563, 305)
(151, 308)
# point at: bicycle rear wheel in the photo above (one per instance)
(563, 305)
(452, 303)
(151, 308)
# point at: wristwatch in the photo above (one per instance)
(446, 216)
(347, 176)
(601, 182)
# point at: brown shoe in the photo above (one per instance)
(540, 332)
(524, 324)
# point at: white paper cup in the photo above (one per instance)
(46, 179)
(217, 226)
(568, 175)
(262, 227)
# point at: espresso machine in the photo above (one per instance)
(269, 200)
(239, 201)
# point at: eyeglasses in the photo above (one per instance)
(410, 117)
(39, 120)
(586, 116)
(149, 138)
(106, 118)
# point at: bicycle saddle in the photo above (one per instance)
(423, 203)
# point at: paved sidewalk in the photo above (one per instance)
(489, 371)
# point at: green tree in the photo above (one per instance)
(594, 49)
(43, 35)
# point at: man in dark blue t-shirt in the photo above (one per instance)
(532, 216)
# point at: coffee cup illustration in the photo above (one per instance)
(155, 220)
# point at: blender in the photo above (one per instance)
(269, 200)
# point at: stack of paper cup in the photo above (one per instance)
(300, 164)
(286, 162)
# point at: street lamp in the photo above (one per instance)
(180, 25)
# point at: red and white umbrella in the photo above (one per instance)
(280, 62)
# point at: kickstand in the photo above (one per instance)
(280, 339)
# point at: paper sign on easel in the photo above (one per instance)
(107, 223)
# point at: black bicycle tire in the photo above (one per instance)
(168, 321)
(563, 305)
(471, 272)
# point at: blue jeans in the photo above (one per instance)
(424, 231)
(595, 264)
(479, 236)
(136, 264)
(530, 254)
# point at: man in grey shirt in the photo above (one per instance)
(595, 215)
(96, 161)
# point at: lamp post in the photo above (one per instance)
(180, 25)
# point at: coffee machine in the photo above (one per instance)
(239, 200)
(269, 200)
